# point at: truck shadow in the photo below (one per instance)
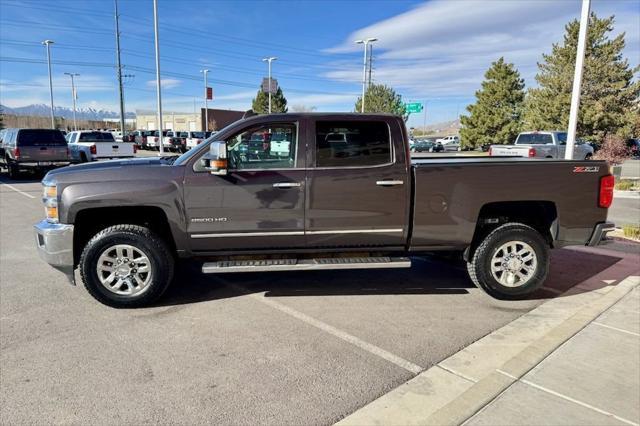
(429, 275)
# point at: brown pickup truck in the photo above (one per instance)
(319, 191)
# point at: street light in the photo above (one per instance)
(206, 105)
(365, 42)
(269, 60)
(73, 97)
(158, 85)
(47, 43)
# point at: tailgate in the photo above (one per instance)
(509, 151)
(114, 149)
(44, 153)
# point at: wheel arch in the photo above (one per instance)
(540, 215)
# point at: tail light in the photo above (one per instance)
(532, 152)
(144, 139)
(490, 152)
(605, 197)
(93, 150)
(198, 141)
(16, 153)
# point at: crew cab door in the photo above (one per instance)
(358, 187)
(260, 203)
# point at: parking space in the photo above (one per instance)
(278, 348)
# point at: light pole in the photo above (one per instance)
(158, 90)
(269, 60)
(119, 66)
(366, 42)
(48, 43)
(577, 80)
(206, 104)
(73, 97)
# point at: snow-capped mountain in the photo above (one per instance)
(81, 113)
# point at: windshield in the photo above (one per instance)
(199, 135)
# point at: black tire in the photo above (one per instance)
(159, 254)
(12, 169)
(83, 157)
(588, 157)
(479, 267)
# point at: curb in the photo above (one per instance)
(455, 389)
(626, 194)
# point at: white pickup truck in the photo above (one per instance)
(542, 145)
(91, 145)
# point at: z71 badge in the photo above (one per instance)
(586, 169)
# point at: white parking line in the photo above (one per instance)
(616, 328)
(17, 190)
(400, 362)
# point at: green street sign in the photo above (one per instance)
(413, 107)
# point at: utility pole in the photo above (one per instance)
(269, 60)
(577, 80)
(48, 43)
(119, 66)
(206, 104)
(370, 64)
(366, 42)
(73, 97)
(158, 91)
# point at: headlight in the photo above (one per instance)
(50, 200)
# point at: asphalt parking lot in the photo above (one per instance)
(278, 348)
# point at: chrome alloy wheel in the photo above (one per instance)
(514, 263)
(124, 269)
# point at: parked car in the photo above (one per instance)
(124, 223)
(450, 143)
(542, 145)
(140, 138)
(91, 145)
(196, 138)
(32, 149)
(427, 145)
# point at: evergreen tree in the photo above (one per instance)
(381, 98)
(495, 117)
(1, 120)
(608, 90)
(260, 104)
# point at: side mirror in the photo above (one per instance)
(215, 161)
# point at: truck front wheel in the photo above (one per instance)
(126, 266)
(511, 262)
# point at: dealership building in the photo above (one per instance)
(183, 121)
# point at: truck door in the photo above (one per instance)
(358, 185)
(259, 203)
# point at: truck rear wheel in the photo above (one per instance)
(511, 262)
(126, 266)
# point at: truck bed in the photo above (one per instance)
(451, 192)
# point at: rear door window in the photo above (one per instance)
(40, 137)
(352, 143)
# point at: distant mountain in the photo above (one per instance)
(445, 128)
(81, 113)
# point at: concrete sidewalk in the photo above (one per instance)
(592, 379)
(573, 360)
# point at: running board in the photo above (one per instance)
(305, 264)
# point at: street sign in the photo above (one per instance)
(413, 107)
(209, 93)
(265, 85)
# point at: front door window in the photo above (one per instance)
(264, 147)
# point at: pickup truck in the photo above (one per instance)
(542, 145)
(352, 202)
(91, 145)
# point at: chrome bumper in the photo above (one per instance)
(55, 244)
(599, 235)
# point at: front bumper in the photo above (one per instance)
(55, 244)
(599, 235)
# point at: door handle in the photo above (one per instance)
(389, 182)
(287, 185)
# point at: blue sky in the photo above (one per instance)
(435, 51)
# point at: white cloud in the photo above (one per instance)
(165, 83)
(442, 48)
